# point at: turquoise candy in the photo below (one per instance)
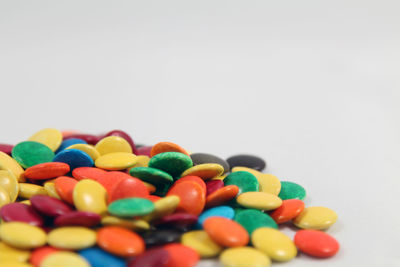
(244, 180)
(173, 163)
(100, 258)
(30, 153)
(290, 190)
(252, 219)
(221, 211)
(129, 207)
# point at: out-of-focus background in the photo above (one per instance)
(313, 87)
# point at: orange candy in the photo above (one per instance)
(221, 196)
(40, 254)
(192, 197)
(88, 173)
(120, 241)
(316, 243)
(181, 256)
(46, 170)
(226, 232)
(129, 187)
(193, 178)
(111, 179)
(289, 209)
(153, 198)
(166, 147)
(65, 187)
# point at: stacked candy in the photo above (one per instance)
(83, 200)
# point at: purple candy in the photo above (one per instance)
(156, 257)
(78, 218)
(18, 212)
(178, 220)
(6, 148)
(49, 206)
(144, 151)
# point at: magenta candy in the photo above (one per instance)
(49, 206)
(6, 148)
(144, 151)
(214, 185)
(156, 257)
(89, 138)
(78, 218)
(178, 220)
(18, 212)
(124, 135)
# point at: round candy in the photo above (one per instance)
(136, 225)
(244, 257)
(226, 232)
(268, 183)
(163, 147)
(64, 259)
(244, 180)
(161, 237)
(6, 148)
(317, 218)
(142, 161)
(163, 207)
(249, 161)
(29, 190)
(316, 243)
(120, 241)
(192, 197)
(109, 180)
(91, 173)
(201, 158)
(290, 190)
(213, 186)
(221, 211)
(47, 170)
(15, 234)
(128, 188)
(51, 189)
(39, 254)
(9, 164)
(178, 220)
(89, 195)
(49, 206)
(153, 176)
(12, 263)
(116, 161)
(4, 197)
(78, 218)
(69, 142)
(144, 150)
(289, 209)
(205, 171)
(49, 137)
(181, 256)
(192, 178)
(9, 183)
(129, 207)
(88, 149)
(277, 245)
(74, 158)
(10, 253)
(30, 153)
(155, 257)
(259, 200)
(65, 187)
(124, 135)
(173, 163)
(18, 212)
(113, 144)
(222, 196)
(252, 219)
(88, 138)
(72, 237)
(201, 242)
(100, 258)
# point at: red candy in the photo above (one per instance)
(178, 220)
(214, 185)
(144, 151)
(47, 170)
(6, 148)
(78, 218)
(18, 212)
(156, 257)
(40, 254)
(181, 256)
(49, 206)
(192, 197)
(316, 243)
(221, 196)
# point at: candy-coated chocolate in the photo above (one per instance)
(47, 170)
(192, 197)
(277, 245)
(51, 190)
(128, 188)
(30, 153)
(113, 144)
(155, 257)
(89, 195)
(178, 220)
(65, 187)
(226, 232)
(13, 263)
(74, 158)
(249, 161)
(6, 148)
(9, 183)
(317, 218)
(120, 241)
(252, 219)
(129, 207)
(316, 243)
(89, 138)
(201, 242)
(144, 150)
(64, 259)
(9, 164)
(205, 171)
(193, 178)
(39, 254)
(78, 218)
(163, 207)
(29, 190)
(152, 189)
(141, 161)
(221, 211)
(88, 173)
(15, 234)
(290, 190)
(173, 163)
(72, 237)
(163, 147)
(8, 253)
(69, 142)
(244, 180)
(201, 158)
(161, 237)
(222, 196)
(109, 180)
(259, 200)
(18, 212)
(124, 135)
(181, 256)
(213, 185)
(88, 149)
(100, 258)
(244, 257)
(49, 137)
(49, 206)
(289, 209)
(136, 225)
(4, 197)
(116, 161)
(268, 183)
(159, 178)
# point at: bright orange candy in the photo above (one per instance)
(129, 187)
(289, 209)
(65, 187)
(166, 147)
(316, 243)
(193, 178)
(226, 232)
(120, 241)
(153, 198)
(192, 197)
(40, 254)
(181, 256)
(111, 179)
(46, 170)
(88, 173)
(221, 196)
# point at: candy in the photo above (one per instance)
(173, 163)
(181, 256)
(201, 158)
(317, 218)
(268, 183)
(128, 188)
(10, 184)
(292, 190)
(129, 207)
(6, 148)
(39, 254)
(252, 219)
(15, 234)
(201, 242)
(221, 211)
(225, 232)
(18, 212)
(65, 188)
(78, 218)
(46, 170)
(161, 237)
(89, 195)
(64, 259)
(192, 197)
(125, 136)
(166, 147)
(69, 142)
(289, 209)
(30, 153)
(29, 190)
(316, 243)
(4, 197)
(8, 253)
(205, 171)
(72, 237)
(222, 196)
(88, 149)
(100, 258)
(259, 200)
(248, 161)
(244, 180)
(116, 161)
(74, 158)
(213, 185)
(49, 206)
(163, 207)
(244, 257)
(9, 164)
(156, 257)
(113, 144)
(49, 137)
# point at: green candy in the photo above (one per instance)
(30, 153)
(130, 207)
(252, 219)
(173, 163)
(290, 190)
(244, 180)
(151, 175)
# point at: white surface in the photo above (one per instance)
(311, 86)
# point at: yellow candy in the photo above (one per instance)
(112, 144)
(90, 196)
(116, 161)
(8, 253)
(88, 149)
(22, 235)
(9, 164)
(73, 237)
(268, 183)
(221, 177)
(205, 171)
(244, 257)
(13, 263)
(9, 182)
(4, 197)
(317, 218)
(259, 200)
(275, 244)
(163, 207)
(49, 137)
(202, 243)
(136, 225)
(64, 259)
(29, 190)
(51, 189)
(26, 201)
(142, 161)
(150, 187)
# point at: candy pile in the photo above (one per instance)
(80, 200)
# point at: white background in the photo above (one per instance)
(311, 86)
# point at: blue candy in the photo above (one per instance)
(221, 211)
(100, 258)
(69, 142)
(74, 158)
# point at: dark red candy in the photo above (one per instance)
(89, 138)
(18, 212)
(78, 218)
(214, 185)
(6, 148)
(124, 135)
(156, 257)
(49, 206)
(144, 151)
(178, 220)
